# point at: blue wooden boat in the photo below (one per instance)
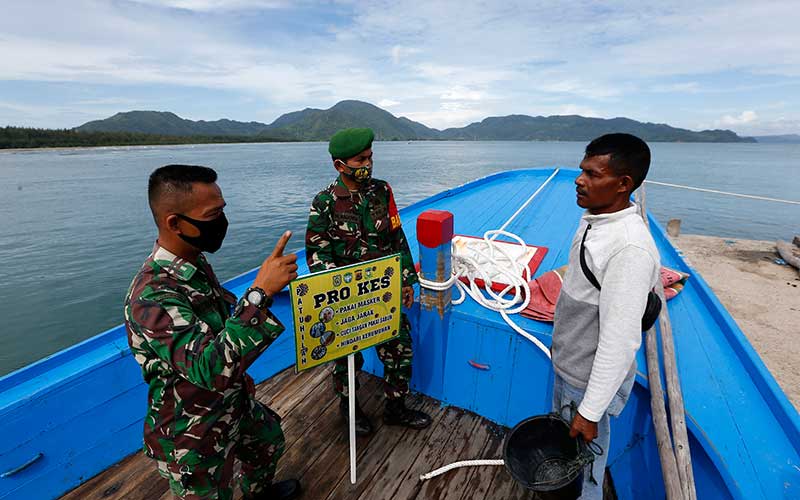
(74, 414)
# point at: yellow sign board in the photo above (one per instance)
(345, 310)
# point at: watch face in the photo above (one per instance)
(255, 297)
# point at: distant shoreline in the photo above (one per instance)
(137, 146)
(109, 146)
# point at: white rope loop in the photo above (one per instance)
(463, 463)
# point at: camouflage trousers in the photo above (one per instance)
(257, 446)
(396, 358)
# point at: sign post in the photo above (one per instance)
(342, 311)
(351, 420)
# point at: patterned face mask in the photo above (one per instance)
(359, 174)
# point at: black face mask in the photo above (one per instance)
(212, 232)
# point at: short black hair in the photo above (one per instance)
(170, 180)
(629, 155)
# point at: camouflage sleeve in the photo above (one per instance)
(400, 243)
(171, 330)
(319, 247)
(406, 261)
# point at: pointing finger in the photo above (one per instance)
(278, 251)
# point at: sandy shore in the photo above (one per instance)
(762, 296)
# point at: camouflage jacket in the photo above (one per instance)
(193, 348)
(347, 227)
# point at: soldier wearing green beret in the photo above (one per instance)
(355, 219)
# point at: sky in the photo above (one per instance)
(698, 65)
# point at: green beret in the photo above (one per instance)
(349, 142)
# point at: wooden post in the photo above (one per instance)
(675, 396)
(674, 227)
(681, 454)
(434, 234)
(669, 467)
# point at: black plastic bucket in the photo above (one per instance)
(540, 455)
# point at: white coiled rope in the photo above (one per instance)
(507, 269)
(515, 274)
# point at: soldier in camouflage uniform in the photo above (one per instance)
(353, 220)
(195, 341)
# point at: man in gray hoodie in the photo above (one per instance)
(598, 328)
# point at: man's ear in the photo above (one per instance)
(171, 222)
(339, 166)
(625, 184)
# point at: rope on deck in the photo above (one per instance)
(463, 463)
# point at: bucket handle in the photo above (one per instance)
(587, 448)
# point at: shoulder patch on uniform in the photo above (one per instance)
(394, 214)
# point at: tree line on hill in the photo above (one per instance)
(23, 137)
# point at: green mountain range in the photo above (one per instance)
(320, 124)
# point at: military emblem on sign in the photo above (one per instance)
(389, 271)
(348, 277)
(337, 280)
(302, 289)
(359, 275)
(368, 272)
(387, 296)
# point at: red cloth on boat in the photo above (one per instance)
(546, 288)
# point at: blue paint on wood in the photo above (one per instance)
(531, 382)
(433, 323)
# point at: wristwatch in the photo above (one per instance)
(258, 297)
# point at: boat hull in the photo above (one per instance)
(82, 408)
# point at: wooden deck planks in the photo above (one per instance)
(390, 461)
(371, 479)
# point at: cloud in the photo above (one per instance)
(217, 5)
(574, 109)
(445, 60)
(449, 114)
(400, 52)
(580, 88)
(683, 87)
(745, 117)
(460, 93)
(107, 101)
